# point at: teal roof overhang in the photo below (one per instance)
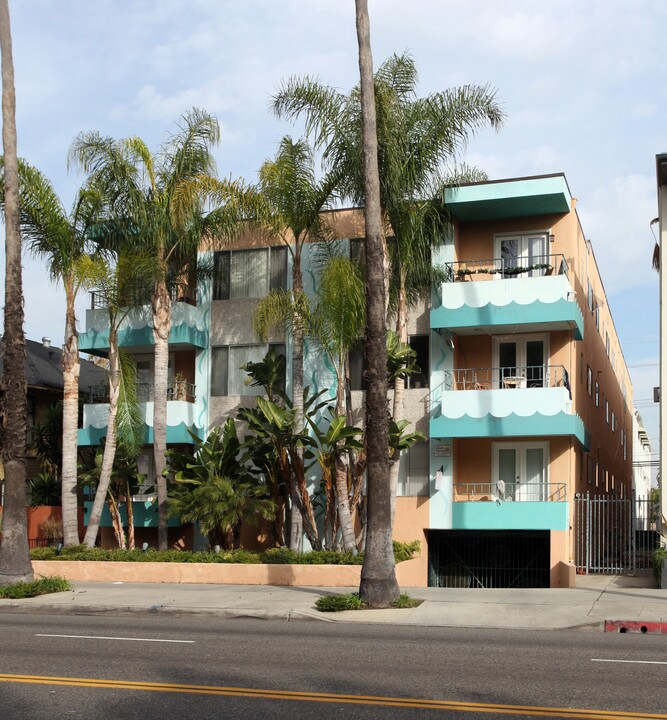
(518, 197)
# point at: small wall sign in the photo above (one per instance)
(443, 451)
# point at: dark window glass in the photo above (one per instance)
(278, 279)
(420, 344)
(357, 369)
(221, 266)
(219, 372)
(357, 251)
(279, 349)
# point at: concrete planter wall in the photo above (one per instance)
(409, 573)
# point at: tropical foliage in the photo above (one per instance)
(213, 488)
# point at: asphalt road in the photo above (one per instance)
(204, 667)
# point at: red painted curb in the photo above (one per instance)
(635, 626)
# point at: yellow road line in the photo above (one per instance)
(263, 694)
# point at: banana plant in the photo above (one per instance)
(215, 489)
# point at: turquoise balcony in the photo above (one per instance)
(522, 197)
(498, 295)
(181, 416)
(188, 326)
(482, 506)
(494, 402)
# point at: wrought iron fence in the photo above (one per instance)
(508, 378)
(504, 268)
(614, 535)
(136, 296)
(176, 390)
(501, 491)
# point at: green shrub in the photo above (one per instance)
(406, 551)
(275, 556)
(42, 586)
(337, 603)
(280, 556)
(659, 559)
(405, 601)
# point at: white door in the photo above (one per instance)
(522, 361)
(520, 471)
(517, 253)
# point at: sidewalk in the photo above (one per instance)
(594, 600)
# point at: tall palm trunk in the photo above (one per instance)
(378, 587)
(71, 367)
(296, 516)
(341, 467)
(399, 388)
(14, 555)
(161, 329)
(110, 443)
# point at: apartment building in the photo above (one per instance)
(524, 394)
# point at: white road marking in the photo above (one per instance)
(635, 662)
(101, 637)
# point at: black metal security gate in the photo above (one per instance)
(614, 535)
(488, 559)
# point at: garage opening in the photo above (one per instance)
(489, 558)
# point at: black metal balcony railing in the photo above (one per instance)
(508, 378)
(509, 492)
(504, 268)
(139, 296)
(176, 390)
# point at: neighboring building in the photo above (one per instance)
(641, 458)
(44, 380)
(661, 178)
(524, 392)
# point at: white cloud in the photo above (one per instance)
(616, 218)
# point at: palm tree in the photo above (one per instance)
(14, 555)
(338, 320)
(60, 239)
(163, 199)
(114, 282)
(288, 202)
(419, 139)
(378, 587)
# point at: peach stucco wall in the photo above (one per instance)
(218, 574)
(410, 523)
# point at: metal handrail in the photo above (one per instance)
(509, 378)
(176, 390)
(539, 266)
(141, 295)
(509, 492)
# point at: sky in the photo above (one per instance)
(579, 82)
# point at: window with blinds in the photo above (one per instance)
(413, 474)
(249, 273)
(227, 361)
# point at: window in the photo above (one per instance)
(413, 473)
(606, 411)
(517, 253)
(227, 377)
(625, 448)
(589, 380)
(591, 470)
(358, 251)
(581, 369)
(607, 344)
(522, 360)
(420, 344)
(597, 394)
(521, 470)
(597, 316)
(356, 360)
(249, 273)
(613, 421)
